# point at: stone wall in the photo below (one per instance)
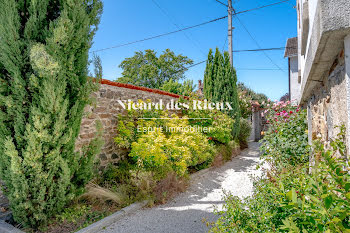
(106, 110)
(327, 106)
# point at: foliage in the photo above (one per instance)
(259, 97)
(245, 104)
(244, 132)
(185, 89)
(159, 153)
(129, 125)
(289, 198)
(43, 91)
(147, 70)
(286, 141)
(125, 180)
(228, 150)
(294, 201)
(247, 96)
(323, 205)
(220, 85)
(218, 123)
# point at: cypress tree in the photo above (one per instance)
(208, 82)
(43, 91)
(230, 93)
(220, 81)
(219, 77)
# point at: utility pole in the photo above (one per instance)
(230, 31)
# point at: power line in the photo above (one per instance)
(247, 50)
(257, 8)
(267, 69)
(260, 50)
(186, 28)
(223, 47)
(261, 7)
(177, 26)
(221, 3)
(161, 35)
(257, 44)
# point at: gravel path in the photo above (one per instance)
(186, 212)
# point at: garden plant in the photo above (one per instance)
(292, 196)
(43, 91)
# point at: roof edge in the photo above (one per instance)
(133, 87)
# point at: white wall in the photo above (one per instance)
(295, 86)
(312, 14)
(347, 78)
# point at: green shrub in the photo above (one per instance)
(286, 141)
(219, 124)
(185, 89)
(155, 151)
(294, 201)
(244, 132)
(43, 91)
(127, 128)
(289, 198)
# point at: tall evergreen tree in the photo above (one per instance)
(220, 84)
(208, 82)
(43, 90)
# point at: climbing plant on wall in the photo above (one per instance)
(43, 90)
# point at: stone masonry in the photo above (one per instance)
(327, 107)
(106, 110)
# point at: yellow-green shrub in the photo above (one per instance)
(162, 152)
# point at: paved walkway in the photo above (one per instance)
(185, 213)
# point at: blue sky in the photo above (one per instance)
(124, 21)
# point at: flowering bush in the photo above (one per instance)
(289, 198)
(294, 201)
(286, 141)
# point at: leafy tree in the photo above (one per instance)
(185, 88)
(147, 70)
(44, 88)
(220, 84)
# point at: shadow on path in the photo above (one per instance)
(189, 211)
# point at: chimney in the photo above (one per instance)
(199, 83)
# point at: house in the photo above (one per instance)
(324, 65)
(294, 80)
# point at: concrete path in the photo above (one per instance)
(187, 211)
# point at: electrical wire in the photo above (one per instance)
(257, 8)
(223, 47)
(161, 35)
(221, 3)
(238, 51)
(261, 7)
(186, 28)
(260, 50)
(195, 43)
(258, 45)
